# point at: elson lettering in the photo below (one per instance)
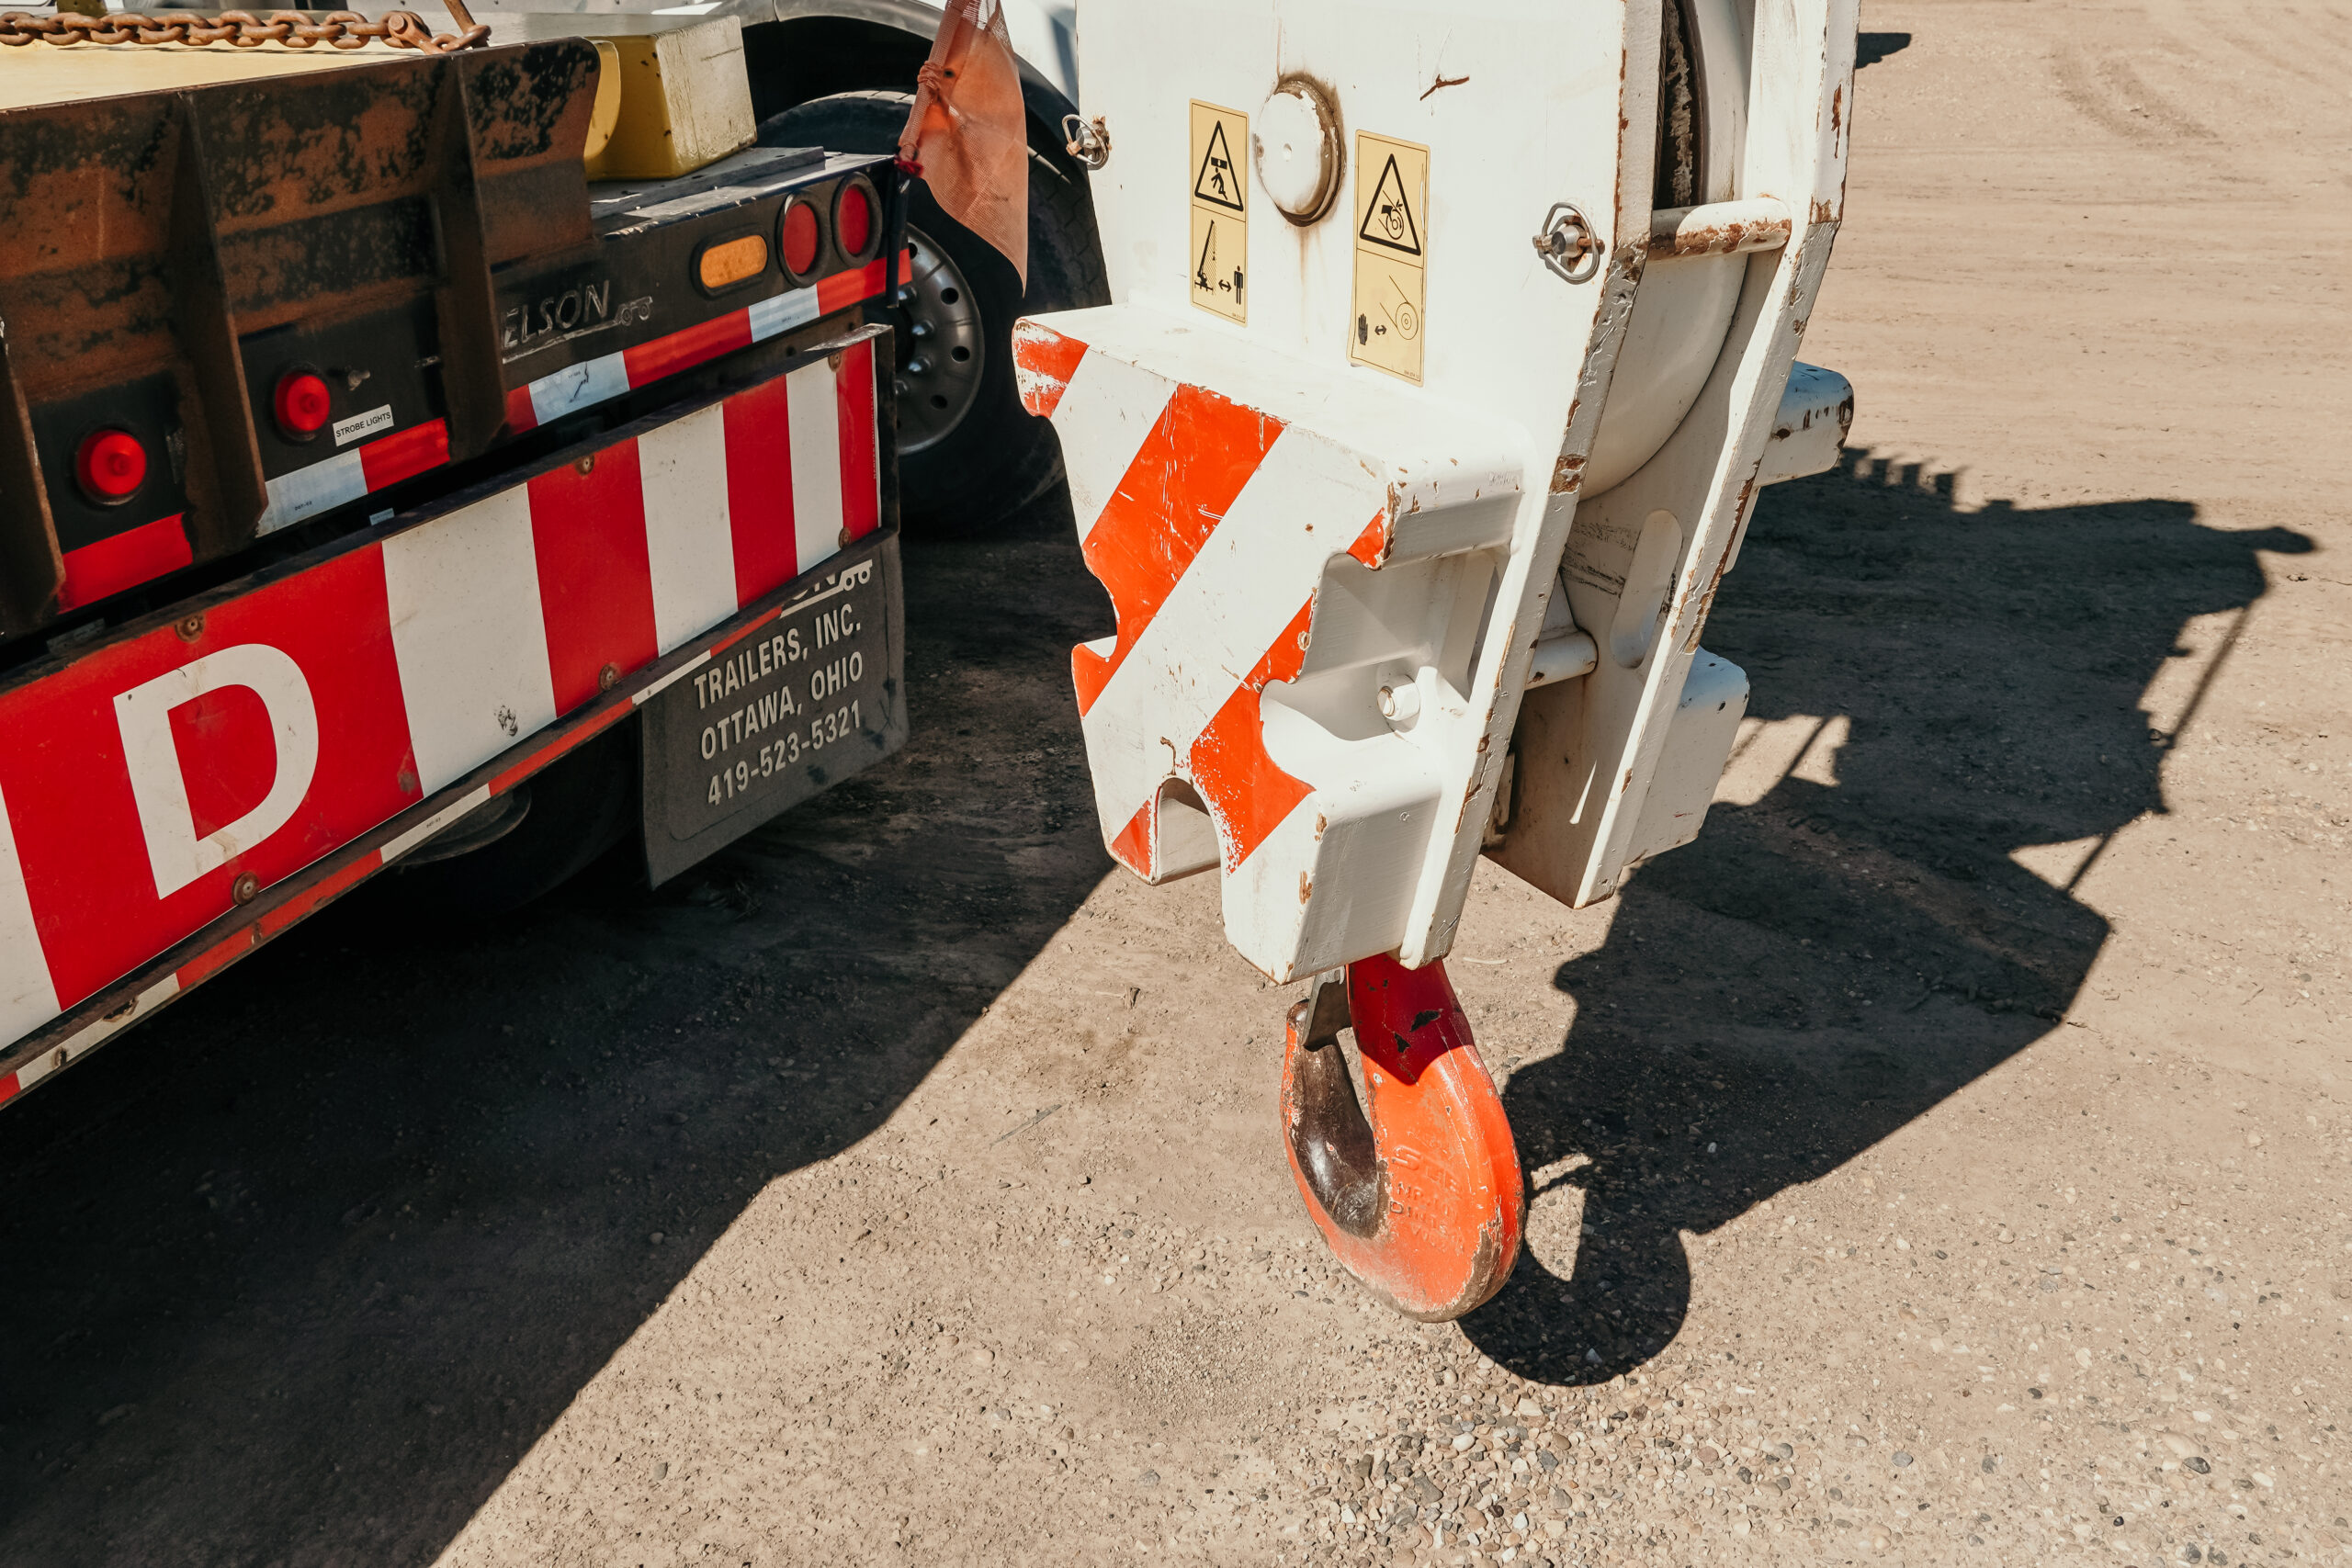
(582, 305)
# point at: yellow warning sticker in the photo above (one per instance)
(1392, 238)
(1220, 250)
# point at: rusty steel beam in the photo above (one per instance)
(144, 239)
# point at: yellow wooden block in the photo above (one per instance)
(46, 74)
(607, 112)
(685, 100)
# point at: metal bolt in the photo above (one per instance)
(587, 464)
(245, 887)
(190, 627)
(921, 329)
(1401, 703)
(919, 365)
(846, 539)
(609, 677)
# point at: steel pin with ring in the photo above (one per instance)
(1088, 140)
(1568, 245)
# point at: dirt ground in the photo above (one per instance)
(1945, 1159)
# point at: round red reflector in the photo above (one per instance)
(110, 464)
(302, 405)
(800, 236)
(854, 220)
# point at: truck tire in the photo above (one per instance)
(969, 455)
(574, 810)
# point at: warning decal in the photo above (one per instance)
(1215, 178)
(1388, 217)
(1219, 253)
(1384, 327)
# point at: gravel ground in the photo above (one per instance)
(1945, 1159)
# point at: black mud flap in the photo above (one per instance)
(791, 707)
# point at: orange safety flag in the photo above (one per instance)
(968, 134)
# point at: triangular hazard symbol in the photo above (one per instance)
(1388, 219)
(1218, 181)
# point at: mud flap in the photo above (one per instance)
(782, 714)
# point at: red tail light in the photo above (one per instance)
(301, 403)
(854, 220)
(800, 240)
(110, 466)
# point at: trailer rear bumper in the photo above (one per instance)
(193, 786)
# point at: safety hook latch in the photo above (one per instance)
(1088, 140)
(1568, 245)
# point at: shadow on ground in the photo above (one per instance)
(1833, 961)
(337, 1238)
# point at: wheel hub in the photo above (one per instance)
(940, 347)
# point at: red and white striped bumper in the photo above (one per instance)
(1272, 563)
(163, 782)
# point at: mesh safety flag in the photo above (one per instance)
(968, 134)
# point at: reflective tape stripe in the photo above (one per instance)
(27, 995)
(689, 526)
(577, 386)
(782, 313)
(304, 493)
(467, 633)
(816, 465)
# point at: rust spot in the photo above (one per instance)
(1444, 81)
(1837, 107)
(1321, 822)
(1305, 887)
(1626, 783)
(1680, 232)
(1715, 580)
(1824, 211)
(1845, 417)
(1568, 473)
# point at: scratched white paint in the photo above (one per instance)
(1477, 470)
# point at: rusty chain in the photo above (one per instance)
(340, 29)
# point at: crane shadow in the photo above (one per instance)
(1853, 937)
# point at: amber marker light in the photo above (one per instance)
(726, 262)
